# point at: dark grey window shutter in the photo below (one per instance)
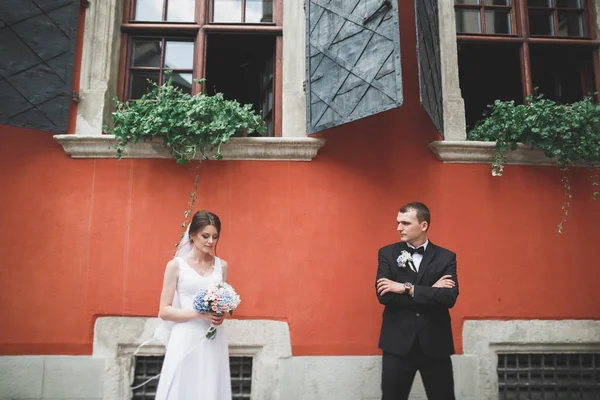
(430, 69)
(37, 47)
(352, 60)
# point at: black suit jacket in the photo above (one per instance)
(425, 316)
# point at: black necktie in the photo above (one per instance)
(420, 250)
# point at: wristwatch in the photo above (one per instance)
(407, 287)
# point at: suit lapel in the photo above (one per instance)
(427, 258)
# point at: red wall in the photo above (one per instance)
(86, 238)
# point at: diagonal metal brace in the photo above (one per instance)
(384, 5)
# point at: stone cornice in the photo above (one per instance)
(256, 149)
(482, 153)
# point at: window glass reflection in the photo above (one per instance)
(146, 53)
(179, 55)
(180, 11)
(148, 10)
(258, 11)
(227, 11)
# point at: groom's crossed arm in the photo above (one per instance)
(389, 298)
(439, 297)
(423, 295)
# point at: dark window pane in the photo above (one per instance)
(497, 21)
(569, 4)
(227, 11)
(570, 24)
(179, 55)
(180, 11)
(466, 2)
(496, 2)
(146, 53)
(236, 65)
(259, 11)
(562, 73)
(270, 129)
(541, 23)
(139, 84)
(496, 68)
(182, 81)
(539, 3)
(148, 10)
(468, 21)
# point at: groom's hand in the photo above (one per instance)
(385, 285)
(445, 282)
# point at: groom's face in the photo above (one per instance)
(409, 227)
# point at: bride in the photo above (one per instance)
(194, 368)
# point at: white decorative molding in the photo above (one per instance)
(255, 148)
(486, 339)
(117, 338)
(453, 105)
(293, 102)
(472, 152)
(99, 65)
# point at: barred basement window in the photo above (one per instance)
(148, 366)
(549, 376)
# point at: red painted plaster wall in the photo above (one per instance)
(86, 238)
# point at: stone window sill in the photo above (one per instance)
(257, 149)
(482, 153)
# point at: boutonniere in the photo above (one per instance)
(404, 259)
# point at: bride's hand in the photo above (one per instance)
(217, 319)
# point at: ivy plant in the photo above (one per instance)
(569, 133)
(189, 126)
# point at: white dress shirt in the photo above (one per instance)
(417, 258)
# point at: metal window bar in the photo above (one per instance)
(148, 366)
(557, 376)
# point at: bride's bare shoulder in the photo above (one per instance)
(172, 266)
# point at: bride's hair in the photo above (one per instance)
(201, 220)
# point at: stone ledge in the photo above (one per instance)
(485, 339)
(117, 338)
(254, 149)
(471, 152)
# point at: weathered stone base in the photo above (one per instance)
(276, 374)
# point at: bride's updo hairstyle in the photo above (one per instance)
(201, 220)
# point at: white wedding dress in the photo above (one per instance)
(195, 368)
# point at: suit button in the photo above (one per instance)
(418, 315)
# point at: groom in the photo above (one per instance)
(417, 292)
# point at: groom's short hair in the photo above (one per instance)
(421, 209)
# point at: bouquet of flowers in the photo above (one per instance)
(219, 298)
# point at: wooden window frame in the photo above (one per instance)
(523, 39)
(198, 32)
(482, 8)
(554, 9)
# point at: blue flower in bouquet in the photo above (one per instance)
(199, 304)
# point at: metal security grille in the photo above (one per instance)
(241, 377)
(147, 367)
(549, 376)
